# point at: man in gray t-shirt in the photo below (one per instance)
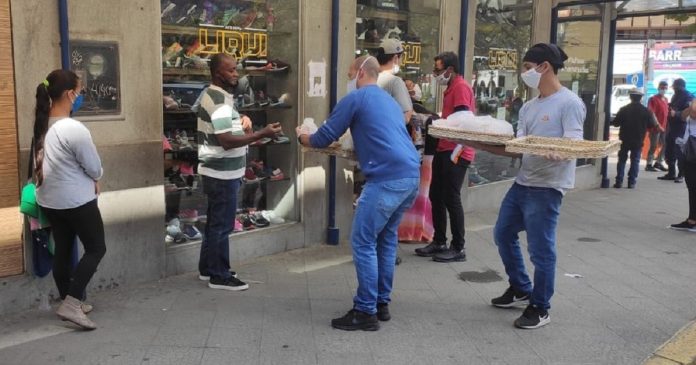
(534, 201)
(389, 58)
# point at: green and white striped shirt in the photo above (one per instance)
(216, 115)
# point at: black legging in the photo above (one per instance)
(690, 177)
(86, 223)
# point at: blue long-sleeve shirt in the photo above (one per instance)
(381, 141)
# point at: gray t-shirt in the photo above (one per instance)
(71, 165)
(559, 115)
(396, 87)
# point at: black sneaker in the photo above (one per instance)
(618, 185)
(683, 226)
(660, 167)
(651, 168)
(666, 177)
(631, 185)
(450, 255)
(431, 249)
(383, 312)
(532, 318)
(511, 298)
(232, 283)
(356, 320)
(679, 179)
(206, 277)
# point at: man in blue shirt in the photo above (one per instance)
(391, 167)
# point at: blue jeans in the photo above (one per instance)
(375, 240)
(635, 163)
(222, 207)
(534, 210)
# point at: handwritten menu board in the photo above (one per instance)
(97, 65)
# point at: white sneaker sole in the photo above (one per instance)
(227, 287)
(682, 229)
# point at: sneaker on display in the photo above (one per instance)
(238, 227)
(282, 102)
(191, 232)
(179, 238)
(232, 283)
(277, 174)
(281, 138)
(248, 221)
(188, 215)
(532, 318)
(272, 217)
(261, 221)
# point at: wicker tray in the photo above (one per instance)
(333, 151)
(565, 147)
(461, 136)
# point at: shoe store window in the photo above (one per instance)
(580, 36)
(416, 24)
(502, 36)
(263, 37)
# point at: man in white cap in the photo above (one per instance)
(389, 58)
(633, 120)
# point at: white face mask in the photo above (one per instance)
(531, 78)
(662, 92)
(442, 80)
(352, 85)
(396, 69)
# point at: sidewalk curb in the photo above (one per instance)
(678, 350)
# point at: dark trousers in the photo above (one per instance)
(84, 222)
(222, 208)
(690, 177)
(672, 151)
(635, 162)
(445, 197)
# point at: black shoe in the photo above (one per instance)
(631, 185)
(431, 249)
(356, 320)
(679, 179)
(684, 226)
(660, 167)
(532, 318)
(398, 260)
(511, 298)
(383, 312)
(618, 185)
(651, 168)
(666, 177)
(232, 283)
(451, 255)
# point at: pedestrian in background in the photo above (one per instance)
(659, 106)
(633, 120)
(675, 129)
(67, 169)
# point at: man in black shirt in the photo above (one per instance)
(633, 120)
(676, 127)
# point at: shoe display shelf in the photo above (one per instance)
(262, 96)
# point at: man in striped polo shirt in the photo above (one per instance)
(223, 136)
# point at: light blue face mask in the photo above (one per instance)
(77, 103)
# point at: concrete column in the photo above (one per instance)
(541, 20)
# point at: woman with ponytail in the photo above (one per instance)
(67, 169)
